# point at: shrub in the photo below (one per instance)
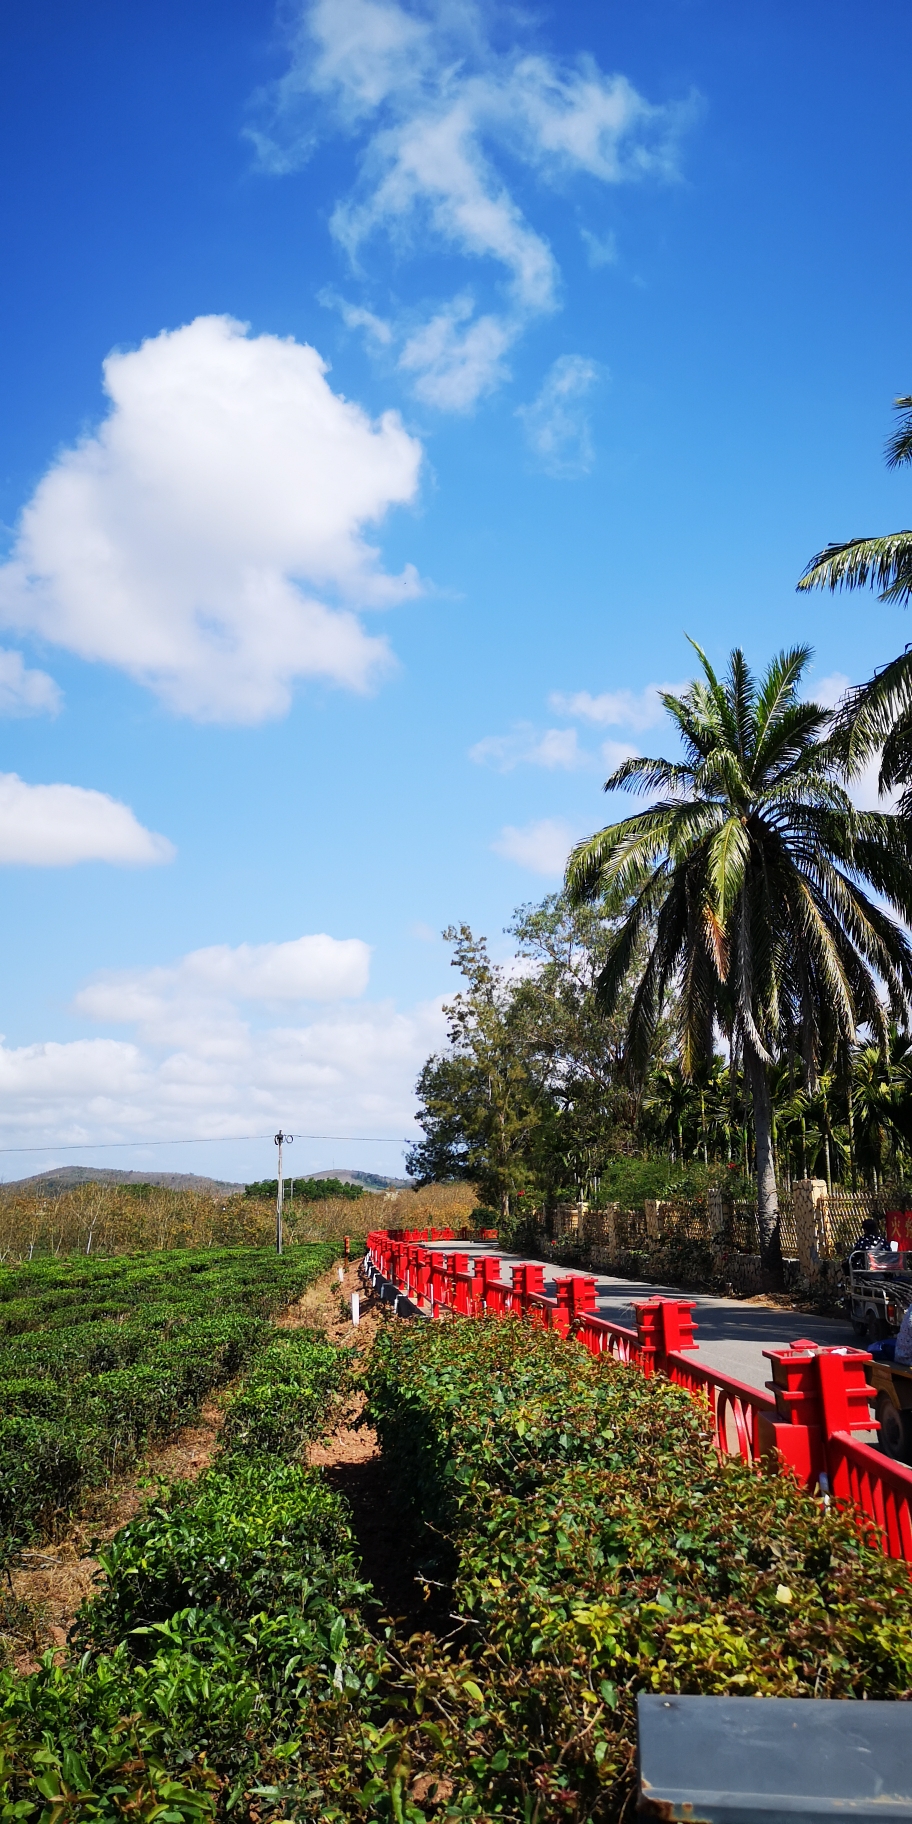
(227, 1628)
(100, 1356)
(289, 1398)
(602, 1550)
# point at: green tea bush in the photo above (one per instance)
(99, 1357)
(290, 1396)
(602, 1550)
(227, 1622)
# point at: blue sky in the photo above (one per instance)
(324, 650)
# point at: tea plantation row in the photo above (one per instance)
(600, 1549)
(226, 1614)
(97, 1357)
(584, 1540)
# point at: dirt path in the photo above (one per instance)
(352, 1463)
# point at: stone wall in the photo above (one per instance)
(715, 1239)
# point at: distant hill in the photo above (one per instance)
(67, 1177)
(370, 1180)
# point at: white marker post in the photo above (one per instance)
(356, 1308)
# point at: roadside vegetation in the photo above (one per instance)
(726, 980)
(575, 1533)
(113, 1220)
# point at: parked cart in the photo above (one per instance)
(877, 1290)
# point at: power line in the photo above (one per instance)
(107, 1146)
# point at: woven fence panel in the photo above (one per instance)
(788, 1232)
(630, 1229)
(741, 1228)
(843, 1216)
(684, 1220)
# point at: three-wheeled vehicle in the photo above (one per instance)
(877, 1290)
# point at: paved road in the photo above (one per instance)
(732, 1333)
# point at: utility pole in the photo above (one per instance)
(280, 1140)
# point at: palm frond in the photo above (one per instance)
(899, 446)
(639, 774)
(885, 563)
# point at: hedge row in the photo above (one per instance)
(601, 1549)
(104, 1356)
(228, 1614)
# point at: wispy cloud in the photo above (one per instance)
(557, 423)
(445, 121)
(24, 692)
(601, 250)
(457, 357)
(637, 710)
(556, 748)
(830, 690)
(357, 316)
(541, 847)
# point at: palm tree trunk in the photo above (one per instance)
(767, 1193)
(852, 1137)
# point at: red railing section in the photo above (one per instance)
(818, 1398)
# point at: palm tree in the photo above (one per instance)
(877, 715)
(742, 897)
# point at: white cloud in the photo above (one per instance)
(556, 748)
(616, 708)
(614, 753)
(356, 316)
(556, 423)
(456, 365)
(830, 690)
(190, 542)
(445, 122)
(542, 847)
(54, 826)
(209, 1057)
(317, 968)
(24, 692)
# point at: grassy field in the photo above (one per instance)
(104, 1219)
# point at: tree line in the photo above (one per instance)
(728, 970)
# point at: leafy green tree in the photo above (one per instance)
(574, 1049)
(882, 1102)
(877, 716)
(481, 1101)
(742, 895)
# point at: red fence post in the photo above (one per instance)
(561, 1316)
(459, 1280)
(649, 1333)
(846, 1398)
(797, 1433)
(582, 1293)
(440, 1283)
(492, 1288)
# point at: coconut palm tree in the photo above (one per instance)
(742, 895)
(877, 715)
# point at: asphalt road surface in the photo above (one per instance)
(732, 1333)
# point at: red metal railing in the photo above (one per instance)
(817, 1398)
(877, 1487)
